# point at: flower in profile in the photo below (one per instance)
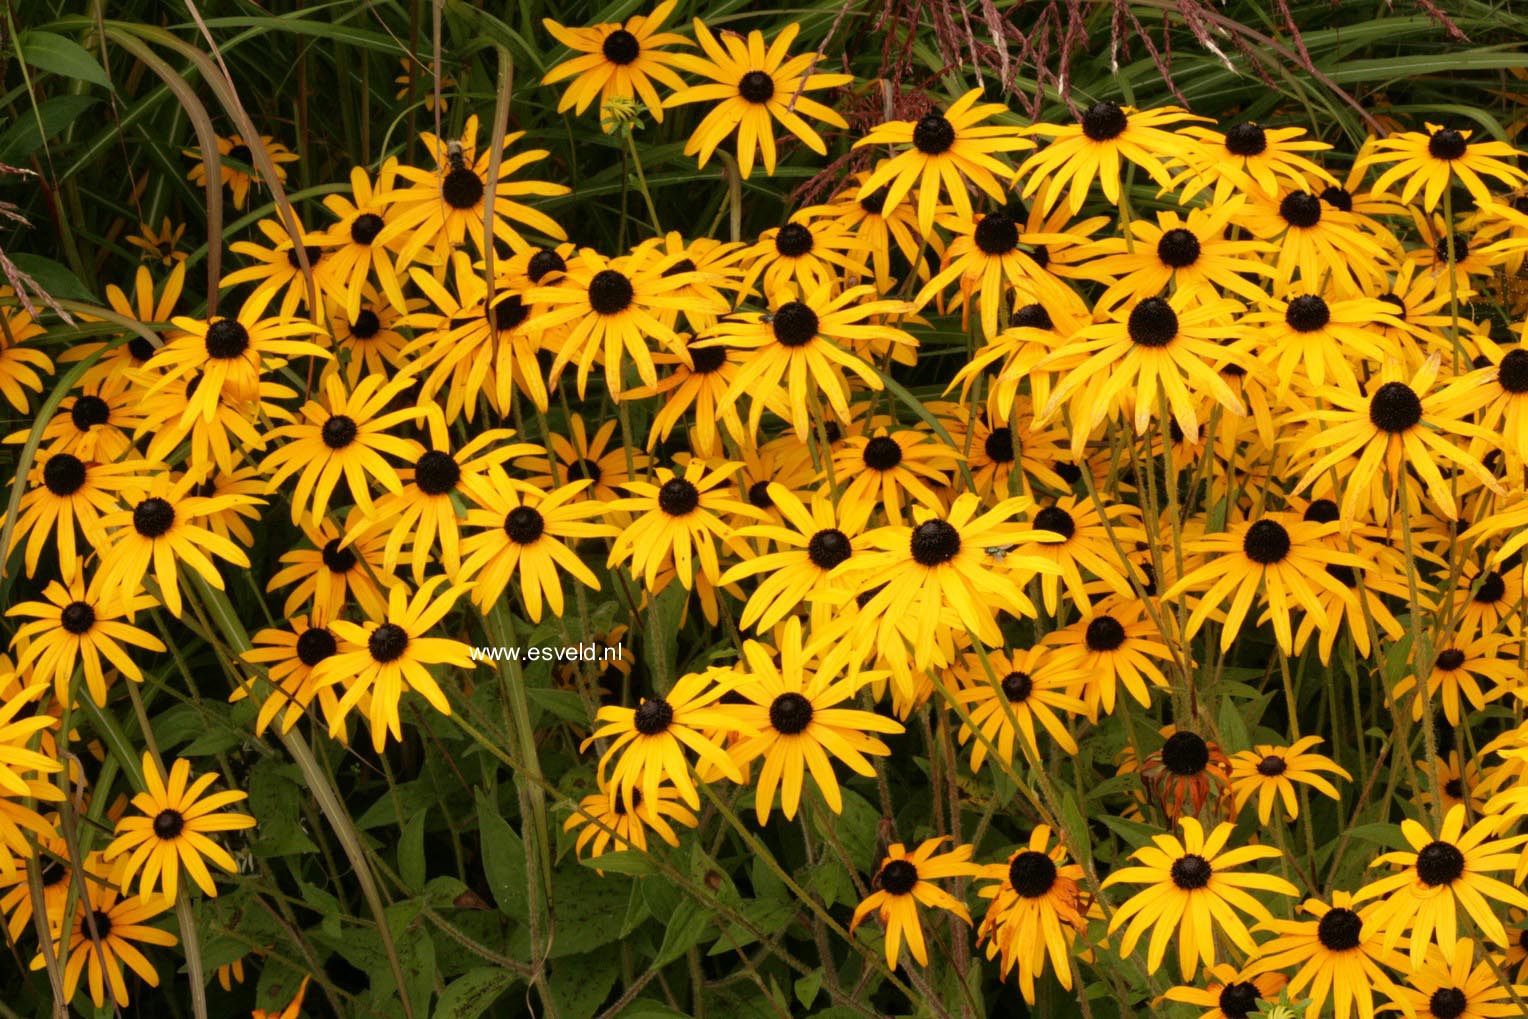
(1340, 955)
(903, 882)
(162, 530)
(796, 720)
(380, 661)
(104, 935)
(648, 742)
(1270, 772)
(756, 86)
(1431, 163)
(1185, 774)
(433, 98)
(679, 522)
(617, 60)
(1092, 149)
(1440, 874)
(162, 244)
(236, 167)
(1037, 910)
(604, 823)
(945, 149)
(1229, 992)
(440, 208)
(77, 626)
(1193, 890)
(175, 817)
(525, 535)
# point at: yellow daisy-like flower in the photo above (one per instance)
(237, 167)
(1037, 910)
(617, 60)
(328, 576)
(679, 523)
(1439, 875)
(605, 824)
(176, 816)
(905, 881)
(1114, 645)
(1228, 992)
(1455, 986)
(162, 244)
(1193, 892)
(753, 87)
(797, 721)
(288, 685)
(1340, 955)
(352, 252)
(1268, 771)
(1430, 163)
(443, 206)
(385, 658)
(946, 149)
(1034, 686)
(79, 625)
(1252, 159)
(1093, 147)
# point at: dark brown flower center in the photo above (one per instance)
(1246, 139)
(1032, 873)
(524, 525)
(1191, 872)
(314, 645)
(756, 87)
(1178, 248)
(882, 453)
(1104, 634)
(436, 472)
(88, 412)
(1056, 520)
(1266, 542)
(226, 338)
(678, 497)
(610, 292)
(387, 643)
(1104, 121)
(1440, 863)
(1301, 209)
(63, 474)
(790, 713)
(1395, 408)
(793, 240)
(795, 324)
(339, 431)
(829, 547)
(1450, 145)
(1152, 323)
(1185, 753)
(168, 824)
(461, 187)
(933, 134)
(897, 877)
(1307, 313)
(934, 542)
(652, 717)
(153, 517)
(77, 618)
(620, 47)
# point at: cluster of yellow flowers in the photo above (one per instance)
(1276, 409)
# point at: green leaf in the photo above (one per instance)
(624, 862)
(503, 860)
(411, 865)
(54, 278)
(647, 1008)
(1387, 835)
(590, 910)
(581, 983)
(685, 929)
(472, 993)
(63, 57)
(808, 986)
(35, 127)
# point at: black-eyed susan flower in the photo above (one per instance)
(1229, 992)
(678, 522)
(371, 343)
(809, 254)
(67, 498)
(605, 824)
(330, 575)
(648, 742)
(797, 723)
(1157, 351)
(1430, 163)
(162, 244)
(1458, 667)
(424, 509)
(80, 625)
(1024, 687)
(1277, 561)
(1037, 910)
(236, 168)
(175, 817)
(95, 425)
(942, 562)
(1093, 148)
(1085, 539)
(753, 86)
(612, 307)
(381, 660)
(800, 349)
(440, 208)
(1193, 890)
(1184, 774)
(352, 254)
(1457, 986)
(20, 723)
(150, 305)
(416, 72)
(285, 684)
(56, 876)
(878, 231)
(699, 384)
(905, 881)
(1340, 954)
(342, 438)
(890, 470)
(1187, 251)
(103, 938)
(1252, 159)
(1267, 771)
(278, 269)
(1307, 334)
(812, 543)
(1397, 423)
(235, 432)
(1438, 875)
(229, 355)
(1316, 241)
(617, 61)
(1114, 645)
(525, 537)
(21, 367)
(945, 149)
(578, 456)
(160, 532)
